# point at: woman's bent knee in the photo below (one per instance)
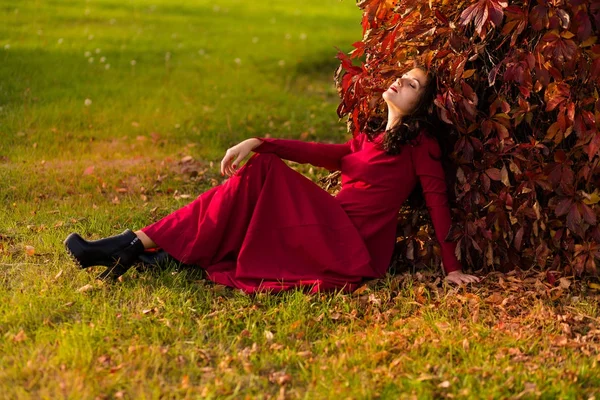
(265, 158)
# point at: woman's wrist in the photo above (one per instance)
(254, 143)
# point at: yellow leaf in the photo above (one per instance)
(594, 286)
(589, 41)
(592, 198)
(567, 34)
(468, 73)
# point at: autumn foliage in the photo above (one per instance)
(518, 86)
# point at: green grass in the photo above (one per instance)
(118, 163)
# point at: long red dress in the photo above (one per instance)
(269, 228)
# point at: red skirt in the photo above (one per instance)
(267, 228)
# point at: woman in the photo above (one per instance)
(270, 228)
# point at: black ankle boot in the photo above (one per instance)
(158, 259)
(118, 253)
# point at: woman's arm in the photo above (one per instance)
(323, 155)
(433, 181)
(236, 154)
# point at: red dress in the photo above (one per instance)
(269, 228)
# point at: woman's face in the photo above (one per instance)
(404, 94)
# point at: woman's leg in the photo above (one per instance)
(146, 241)
(213, 227)
(210, 228)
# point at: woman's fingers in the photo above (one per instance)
(226, 168)
(238, 160)
(236, 154)
(462, 278)
(224, 162)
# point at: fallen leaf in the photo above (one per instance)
(104, 360)
(245, 333)
(594, 286)
(280, 377)
(185, 382)
(335, 316)
(276, 347)
(269, 336)
(295, 325)
(465, 344)
(425, 377)
(445, 384)
(86, 288)
(560, 341)
(361, 290)
(115, 368)
(29, 250)
(443, 326)
(564, 283)
(495, 298)
(20, 337)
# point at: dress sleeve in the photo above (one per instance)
(323, 155)
(429, 169)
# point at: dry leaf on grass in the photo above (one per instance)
(29, 250)
(86, 288)
(269, 336)
(20, 337)
(280, 377)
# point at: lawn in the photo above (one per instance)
(113, 114)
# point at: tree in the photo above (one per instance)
(519, 87)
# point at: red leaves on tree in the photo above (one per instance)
(483, 13)
(519, 87)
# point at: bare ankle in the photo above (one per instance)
(146, 241)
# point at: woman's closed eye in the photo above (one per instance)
(411, 81)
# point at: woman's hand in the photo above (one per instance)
(236, 154)
(459, 278)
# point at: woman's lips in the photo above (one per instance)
(394, 89)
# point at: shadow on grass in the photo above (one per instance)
(319, 67)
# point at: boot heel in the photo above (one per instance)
(118, 253)
(75, 246)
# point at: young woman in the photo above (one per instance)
(269, 228)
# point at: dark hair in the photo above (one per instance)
(423, 119)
